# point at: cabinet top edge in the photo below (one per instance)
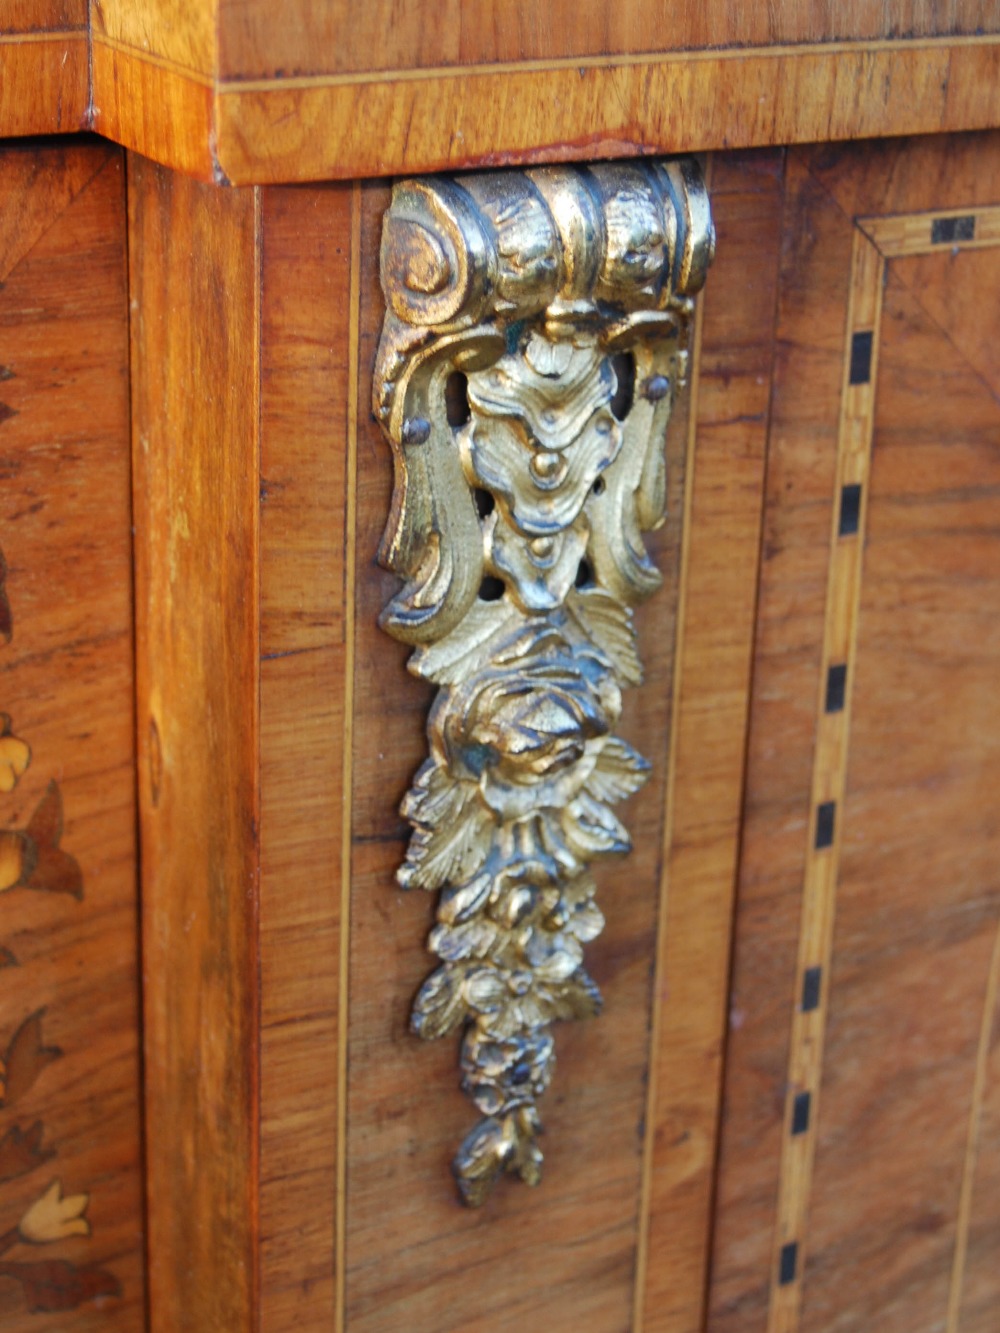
(382, 123)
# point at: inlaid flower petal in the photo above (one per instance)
(54, 1216)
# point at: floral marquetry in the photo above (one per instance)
(535, 336)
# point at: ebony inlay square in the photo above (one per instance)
(850, 509)
(788, 1265)
(836, 688)
(826, 819)
(861, 357)
(945, 230)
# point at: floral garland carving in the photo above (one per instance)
(31, 858)
(534, 338)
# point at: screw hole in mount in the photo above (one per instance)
(484, 502)
(456, 399)
(491, 589)
(584, 575)
(624, 367)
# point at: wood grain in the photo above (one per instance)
(69, 985)
(193, 267)
(179, 32)
(44, 82)
(830, 757)
(973, 1296)
(155, 109)
(580, 109)
(235, 90)
(563, 1255)
(719, 591)
(344, 125)
(896, 1127)
(920, 839)
(305, 600)
(335, 37)
(802, 450)
(43, 15)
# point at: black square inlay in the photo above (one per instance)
(789, 1264)
(948, 230)
(826, 818)
(800, 1112)
(812, 985)
(850, 509)
(861, 357)
(836, 687)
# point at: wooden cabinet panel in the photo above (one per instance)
(194, 294)
(71, 1248)
(327, 37)
(331, 1171)
(242, 91)
(572, 1241)
(730, 399)
(858, 1082)
(308, 365)
(844, 385)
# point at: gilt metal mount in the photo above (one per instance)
(534, 339)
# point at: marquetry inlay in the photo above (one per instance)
(877, 240)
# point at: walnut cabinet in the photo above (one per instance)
(213, 1112)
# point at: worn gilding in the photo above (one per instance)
(534, 339)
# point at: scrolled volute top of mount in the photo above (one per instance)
(569, 241)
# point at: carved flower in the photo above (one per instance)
(54, 1216)
(524, 768)
(528, 728)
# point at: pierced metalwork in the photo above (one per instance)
(533, 343)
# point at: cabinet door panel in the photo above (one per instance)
(858, 1164)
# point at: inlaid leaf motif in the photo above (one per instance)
(25, 1058)
(21, 1150)
(55, 1285)
(32, 858)
(49, 867)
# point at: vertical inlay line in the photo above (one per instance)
(649, 1128)
(255, 1275)
(990, 1017)
(350, 567)
(825, 825)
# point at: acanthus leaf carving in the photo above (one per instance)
(535, 337)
